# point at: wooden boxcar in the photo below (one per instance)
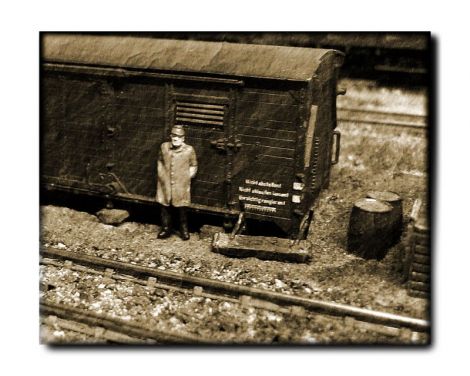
(261, 118)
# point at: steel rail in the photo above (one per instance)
(381, 112)
(385, 118)
(118, 325)
(243, 300)
(234, 290)
(384, 123)
(152, 283)
(97, 332)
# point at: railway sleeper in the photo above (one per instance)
(233, 291)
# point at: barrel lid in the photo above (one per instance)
(384, 196)
(372, 205)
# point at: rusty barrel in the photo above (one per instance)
(396, 220)
(370, 228)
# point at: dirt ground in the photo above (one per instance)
(372, 158)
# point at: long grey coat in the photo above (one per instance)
(173, 177)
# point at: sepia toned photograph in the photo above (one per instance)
(256, 188)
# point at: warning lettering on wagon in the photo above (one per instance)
(262, 196)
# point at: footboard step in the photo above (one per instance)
(262, 247)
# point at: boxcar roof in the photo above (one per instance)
(245, 60)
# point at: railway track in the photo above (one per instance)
(245, 295)
(59, 318)
(382, 118)
(111, 329)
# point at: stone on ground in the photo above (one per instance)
(112, 216)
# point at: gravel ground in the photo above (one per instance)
(183, 313)
(333, 274)
(371, 159)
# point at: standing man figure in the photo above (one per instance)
(177, 165)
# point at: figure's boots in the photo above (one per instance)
(165, 232)
(183, 223)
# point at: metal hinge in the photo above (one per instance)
(223, 144)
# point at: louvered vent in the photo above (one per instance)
(188, 113)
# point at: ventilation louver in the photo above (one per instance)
(188, 113)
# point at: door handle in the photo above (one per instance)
(336, 141)
(219, 144)
(110, 131)
(222, 144)
(236, 145)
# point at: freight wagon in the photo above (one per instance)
(261, 119)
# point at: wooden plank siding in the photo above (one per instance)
(204, 110)
(87, 148)
(139, 121)
(52, 115)
(266, 126)
(207, 188)
(195, 90)
(115, 126)
(138, 114)
(279, 116)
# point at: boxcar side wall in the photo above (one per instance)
(104, 132)
(137, 119)
(101, 133)
(74, 147)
